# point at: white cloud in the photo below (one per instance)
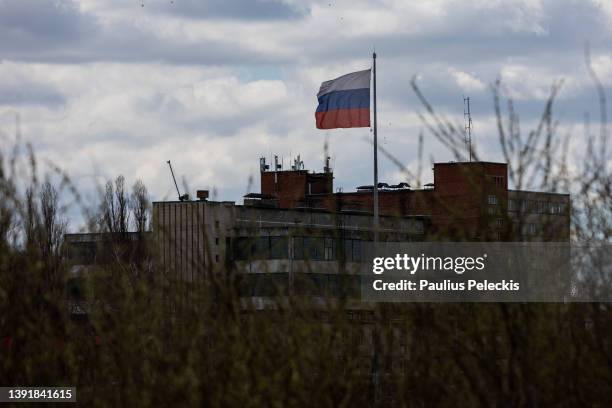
(602, 65)
(525, 82)
(142, 85)
(466, 81)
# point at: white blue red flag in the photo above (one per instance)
(344, 102)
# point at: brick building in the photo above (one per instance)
(297, 236)
(297, 228)
(467, 201)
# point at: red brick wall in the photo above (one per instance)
(291, 187)
(459, 201)
(462, 190)
(394, 203)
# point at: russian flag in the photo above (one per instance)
(344, 102)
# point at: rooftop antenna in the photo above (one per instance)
(296, 163)
(184, 197)
(468, 126)
(262, 164)
(327, 168)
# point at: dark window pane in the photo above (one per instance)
(279, 248)
(347, 254)
(263, 284)
(329, 249)
(262, 248)
(333, 285)
(316, 249)
(242, 248)
(349, 285)
(356, 251)
(298, 248)
(304, 284)
(307, 245)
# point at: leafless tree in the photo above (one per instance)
(52, 227)
(140, 206)
(115, 207)
(122, 199)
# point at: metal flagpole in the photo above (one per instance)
(375, 356)
(375, 159)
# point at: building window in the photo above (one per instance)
(298, 248)
(216, 240)
(532, 206)
(492, 210)
(512, 205)
(243, 248)
(556, 208)
(279, 248)
(217, 224)
(217, 258)
(329, 249)
(352, 250)
(492, 199)
(263, 284)
(499, 222)
(308, 248)
(325, 249)
(356, 250)
(261, 248)
(498, 181)
(313, 249)
(531, 229)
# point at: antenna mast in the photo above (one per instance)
(468, 126)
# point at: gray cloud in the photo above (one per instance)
(216, 84)
(30, 93)
(59, 32)
(237, 9)
(29, 26)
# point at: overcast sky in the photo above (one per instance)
(107, 87)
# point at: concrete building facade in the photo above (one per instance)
(297, 228)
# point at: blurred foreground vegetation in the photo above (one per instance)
(150, 341)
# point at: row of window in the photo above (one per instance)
(536, 206)
(529, 229)
(312, 284)
(525, 229)
(528, 206)
(265, 247)
(326, 249)
(304, 248)
(498, 181)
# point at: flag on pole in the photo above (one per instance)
(344, 102)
